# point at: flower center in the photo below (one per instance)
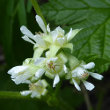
(54, 67)
(60, 35)
(51, 65)
(83, 75)
(38, 88)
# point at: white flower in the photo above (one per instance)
(37, 89)
(56, 80)
(35, 39)
(41, 24)
(58, 39)
(81, 73)
(58, 35)
(24, 73)
(39, 43)
(19, 74)
(53, 67)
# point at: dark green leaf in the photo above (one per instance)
(6, 28)
(29, 6)
(22, 13)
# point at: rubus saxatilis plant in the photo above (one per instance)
(51, 61)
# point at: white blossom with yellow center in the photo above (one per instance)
(53, 67)
(37, 89)
(81, 73)
(24, 73)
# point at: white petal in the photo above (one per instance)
(69, 34)
(56, 80)
(26, 32)
(89, 65)
(76, 85)
(27, 39)
(34, 94)
(89, 86)
(53, 51)
(61, 41)
(27, 82)
(39, 40)
(17, 69)
(25, 93)
(48, 28)
(54, 35)
(41, 23)
(39, 73)
(45, 84)
(60, 30)
(65, 69)
(22, 78)
(72, 34)
(52, 59)
(44, 92)
(96, 76)
(39, 60)
(78, 72)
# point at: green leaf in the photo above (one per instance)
(22, 13)
(89, 58)
(91, 15)
(12, 95)
(14, 100)
(29, 6)
(6, 28)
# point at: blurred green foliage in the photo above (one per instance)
(91, 44)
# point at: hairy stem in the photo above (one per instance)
(38, 10)
(86, 97)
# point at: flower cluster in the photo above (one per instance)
(50, 60)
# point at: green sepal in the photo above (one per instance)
(73, 61)
(52, 51)
(38, 52)
(69, 45)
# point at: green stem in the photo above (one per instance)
(38, 10)
(16, 95)
(58, 88)
(100, 100)
(13, 95)
(86, 96)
